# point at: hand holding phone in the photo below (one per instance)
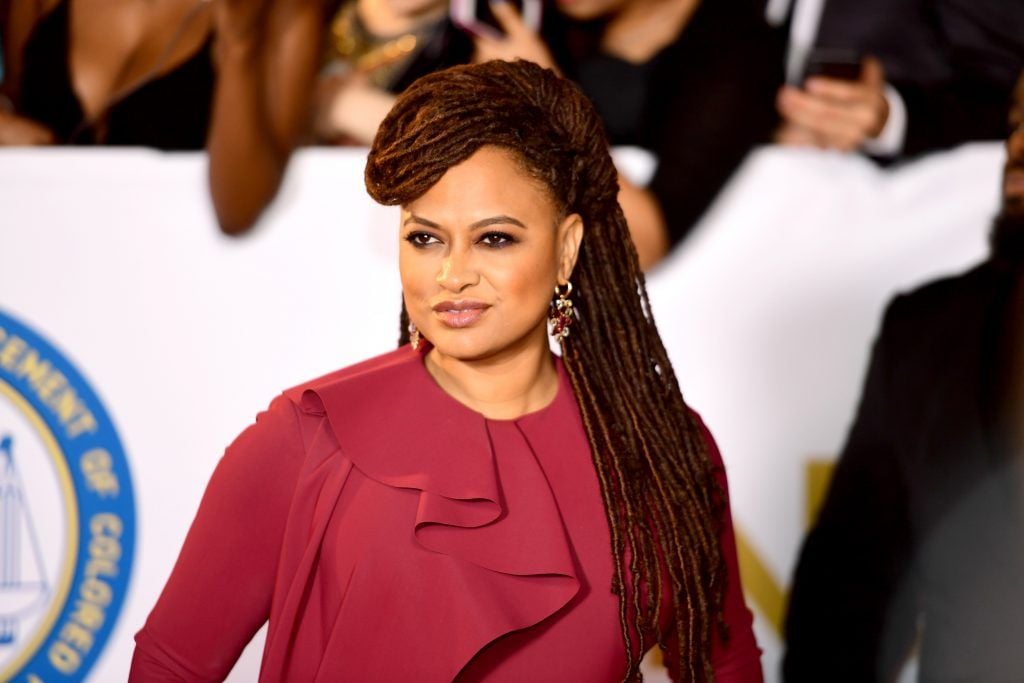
(479, 17)
(516, 39)
(839, 64)
(833, 110)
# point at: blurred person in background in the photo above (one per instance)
(920, 536)
(376, 49)
(693, 81)
(312, 70)
(130, 72)
(933, 74)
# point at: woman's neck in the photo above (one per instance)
(645, 27)
(501, 387)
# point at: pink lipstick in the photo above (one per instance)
(458, 314)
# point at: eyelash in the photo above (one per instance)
(420, 239)
(504, 239)
(493, 239)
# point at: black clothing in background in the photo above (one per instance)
(170, 112)
(923, 522)
(954, 62)
(447, 46)
(699, 105)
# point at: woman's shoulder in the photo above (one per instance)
(388, 417)
(381, 374)
(366, 407)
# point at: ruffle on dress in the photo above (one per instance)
(419, 532)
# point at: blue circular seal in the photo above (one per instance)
(67, 514)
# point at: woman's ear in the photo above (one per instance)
(570, 236)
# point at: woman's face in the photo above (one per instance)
(480, 255)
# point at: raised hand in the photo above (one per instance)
(519, 42)
(240, 21)
(835, 113)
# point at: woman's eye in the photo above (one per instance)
(497, 239)
(421, 239)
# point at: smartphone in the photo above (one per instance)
(476, 17)
(844, 65)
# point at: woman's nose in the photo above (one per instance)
(457, 271)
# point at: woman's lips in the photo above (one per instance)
(459, 314)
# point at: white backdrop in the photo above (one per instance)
(768, 313)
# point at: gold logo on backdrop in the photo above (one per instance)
(761, 586)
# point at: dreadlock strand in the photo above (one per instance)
(582, 387)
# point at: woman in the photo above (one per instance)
(470, 506)
(96, 72)
(692, 81)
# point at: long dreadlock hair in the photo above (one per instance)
(662, 503)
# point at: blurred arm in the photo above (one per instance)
(266, 67)
(19, 19)
(645, 221)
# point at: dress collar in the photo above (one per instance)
(420, 436)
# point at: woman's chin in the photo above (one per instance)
(466, 349)
(479, 345)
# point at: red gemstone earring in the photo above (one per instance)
(414, 337)
(562, 313)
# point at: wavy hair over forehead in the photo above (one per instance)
(662, 503)
(447, 116)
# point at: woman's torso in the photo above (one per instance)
(165, 103)
(390, 533)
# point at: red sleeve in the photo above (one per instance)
(219, 593)
(737, 660)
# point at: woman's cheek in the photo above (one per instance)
(418, 272)
(526, 284)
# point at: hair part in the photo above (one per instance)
(663, 505)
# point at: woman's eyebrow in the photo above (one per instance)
(496, 220)
(419, 220)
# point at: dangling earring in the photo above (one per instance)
(561, 315)
(414, 336)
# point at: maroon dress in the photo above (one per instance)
(390, 533)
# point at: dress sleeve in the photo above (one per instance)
(219, 592)
(737, 659)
